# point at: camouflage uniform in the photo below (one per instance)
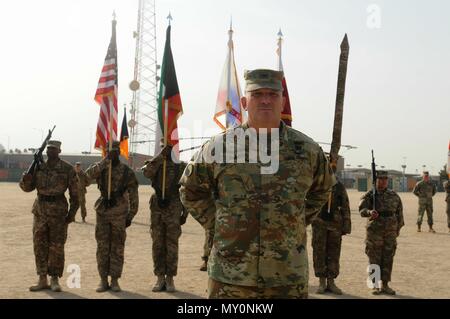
(83, 182)
(425, 191)
(51, 214)
(327, 231)
(259, 247)
(165, 215)
(382, 233)
(110, 230)
(447, 199)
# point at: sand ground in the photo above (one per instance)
(421, 265)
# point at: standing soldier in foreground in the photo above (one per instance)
(51, 214)
(83, 182)
(425, 190)
(259, 213)
(327, 231)
(447, 199)
(383, 228)
(167, 216)
(113, 215)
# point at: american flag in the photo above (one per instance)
(106, 96)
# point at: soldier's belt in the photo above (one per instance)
(386, 214)
(50, 198)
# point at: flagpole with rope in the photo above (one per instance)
(111, 106)
(165, 129)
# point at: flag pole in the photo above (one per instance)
(280, 44)
(166, 124)
(111, 130)
(230, 52)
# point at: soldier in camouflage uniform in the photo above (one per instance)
(259, 214)
(83, 182)
(447, 199)
(327, 231)
(383, 228)
(52, 215)
(209, 237)
(167, 216)
(113, 215)
(425, 190)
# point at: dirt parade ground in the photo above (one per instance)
(421, 265)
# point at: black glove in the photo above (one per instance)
(128, 223)
(183, 219)
(70, 219)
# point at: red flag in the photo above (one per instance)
(124, 136)
(106, 96)
(286, 114)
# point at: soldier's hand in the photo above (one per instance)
(128, 223)
(27, 177)
(374, 215)
(166, 151)
(183, 219)
(104, 163)
(69, 219)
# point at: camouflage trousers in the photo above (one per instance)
(209, 237)
(219, 290)
(110, 233)
(425, 205)
(381, 244)
(165, 230)
(49, 237)
(326, 251)
(82, 200)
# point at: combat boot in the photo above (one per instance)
(322, 285)
(419, 229)
(84, 219)
(170, 286)
(103, 285)
(160, 284)
(387, 290)
(331, 286)
(41, 285)
(115, 285)
(431, 230)
(204, 266)
(376, 291)
(54, 284)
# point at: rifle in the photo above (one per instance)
(38, 159)
(374, 182)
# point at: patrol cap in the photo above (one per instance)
(426, 173)
(78, 163)
(382, 174)
(54, 144)
(263, 79)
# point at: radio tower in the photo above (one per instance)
(144, 86)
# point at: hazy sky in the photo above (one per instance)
(398, 83)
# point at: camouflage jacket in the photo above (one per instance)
(339, 218)
(447, 189)
(259, 219)
(54, 181)
(424, 189)
(124, 187)
(83, 182)
(154, 171)
(388, 204)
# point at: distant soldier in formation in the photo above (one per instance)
(209, 237)
(52, 214)
(383, 228)
(425, 190)
(83, 182)
(327, 231)
(260, 220)
(447, 199)
(167, 217)
(114, 215)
